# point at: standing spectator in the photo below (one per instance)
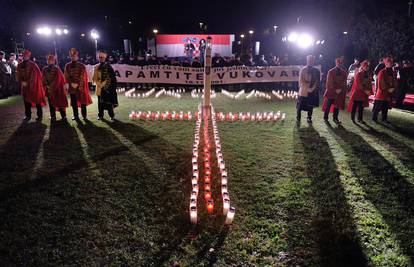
(189, 49)
(406, 76)
(30, 78)
(387, 83)
(196, 63)
(186, 63)
(354, 65)
(309, 83)
(5, 76)
(13, 84)
(262, 61)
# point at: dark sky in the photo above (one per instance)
(323, 17)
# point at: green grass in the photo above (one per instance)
(97, 193)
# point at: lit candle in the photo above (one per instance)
(195, 188)
(195, 166)
(221, 165)
(224, 180)
(226, 205)
(207, 187)
(210, 206)
(193, 195)
(230, 215)
(224, 188)
(207, 195)
(223, 173)
(193, 215)
(207, 179)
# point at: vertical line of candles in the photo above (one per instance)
(195, 177)
(228, 211)
(208, 196)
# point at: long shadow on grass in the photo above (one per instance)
(333, 228)
(18, 156)
(401, 150)
(390, 192)
(173, 193)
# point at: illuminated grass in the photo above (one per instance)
(98, 193)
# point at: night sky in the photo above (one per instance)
(323, 17)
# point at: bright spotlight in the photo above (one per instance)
(345, 33)
(155, 31)
(318, 42)
(65, 31)
(305, 40)
(323, 41)
(39, 30)
(242, 36)
(58, 31)
(251, 32)
(47, 31)
(94, 34)
(293, 37)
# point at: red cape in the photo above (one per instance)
(34, 93)
(357, 93)
(58, 96)
(83, 97)
(332, 84)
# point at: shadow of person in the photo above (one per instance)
(390, 193)
(159, 175)
(20, 153)
(332, 228)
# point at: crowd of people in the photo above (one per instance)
(22, 74)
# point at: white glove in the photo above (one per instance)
(338, 91)
(74, 85)
(24, 84)
(391, 90)
(66, 86)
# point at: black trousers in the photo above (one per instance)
(52, 110)
(380, 106)
(28, 110)
(303, 105)
(74, 104)
(103, 106)
(299, 112)
(328, 108)
(357, 105)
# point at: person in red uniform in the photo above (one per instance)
(386, 86)
(360, 92)
(77, 85)
(335, 94)
(30, 79)
(54, 82)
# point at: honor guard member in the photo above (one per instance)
(105, 80)
(77, 85)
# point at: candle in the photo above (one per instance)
(207, 195)
(224, 180)
(193, 195)
(221, 165)
(194, 160)
(226, 205)
(195, 188)
(207, 179)
(223, 173)
(224, 188)
(210, 206)
(207, 187)
(230, 215)
(193, 215)
(195, 167)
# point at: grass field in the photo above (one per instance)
(117, 194)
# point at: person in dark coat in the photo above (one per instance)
(106, 83)
(406, 76)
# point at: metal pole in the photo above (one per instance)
(207, 77)
(96, 49)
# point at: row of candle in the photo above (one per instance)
(285, 94)
(258, 116)
(228, 211)
(120, 89)
(194, 180)
(167, 115)
(199, 93)
(208, 194)
(131, 93)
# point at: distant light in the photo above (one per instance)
(82, 35)
(94, 34)
(251, 32)
(65, 31)
(323, 41)
(130, 22)
(27, 33)
(293, 37)
(318, 42)
(47, 31)
(241, 35)
(39, 30)
(275, 27)
(305, 40)
(58, 31)
(284, 39)
(155, 31)
(345, 33)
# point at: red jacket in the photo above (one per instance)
(335, 81)
(53, 82)
(386, 85)
(30, 78)
(361, 89)
(75, 73)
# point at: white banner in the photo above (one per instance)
(183, 75)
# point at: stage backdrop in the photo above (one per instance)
(173, 45)
(182, 75)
